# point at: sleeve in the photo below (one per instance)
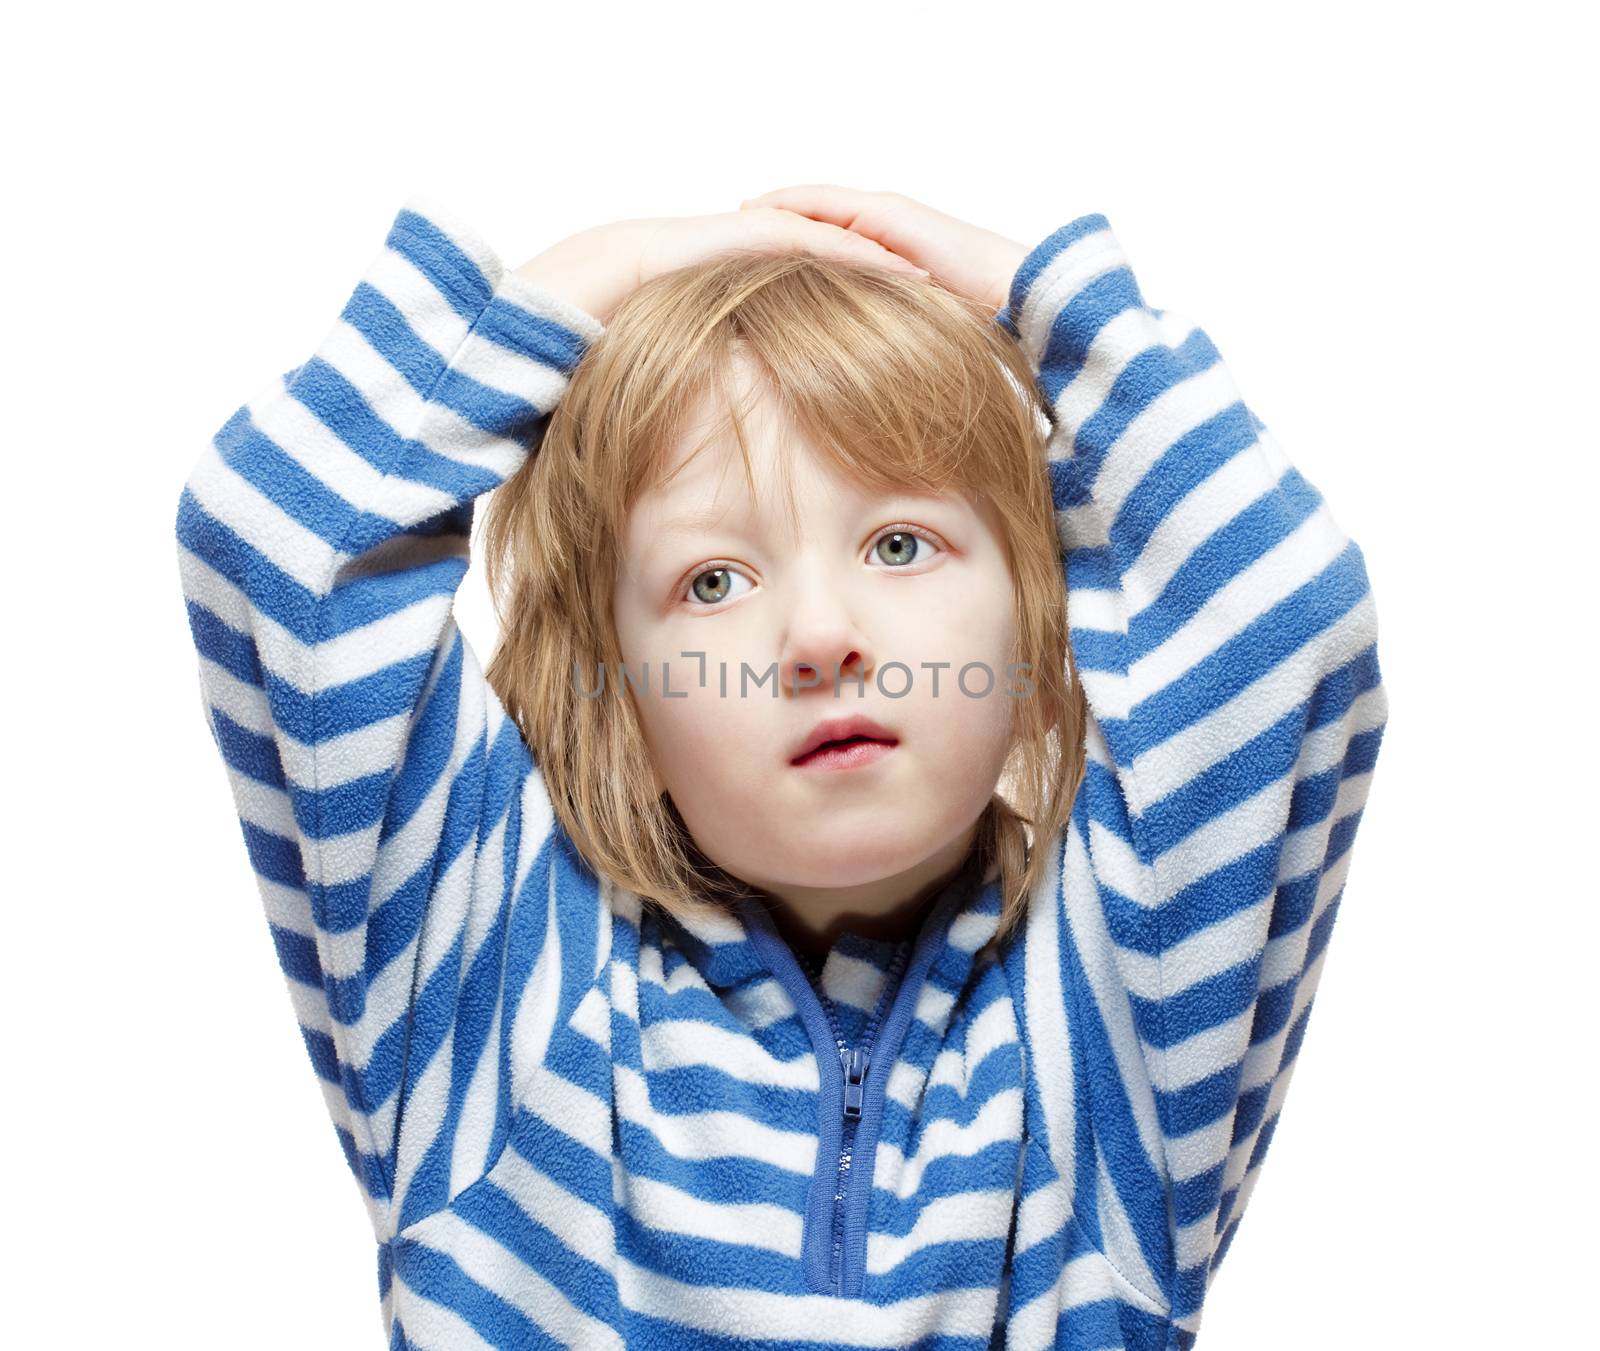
(399, 830)
(1223, 629)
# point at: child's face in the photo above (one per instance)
(835, 583)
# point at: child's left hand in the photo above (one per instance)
(962, 257)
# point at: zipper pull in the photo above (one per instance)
(855, 1071)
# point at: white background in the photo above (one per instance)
(1380, 214)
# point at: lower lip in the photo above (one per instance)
(856, 755)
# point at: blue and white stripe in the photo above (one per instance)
(1224, 631)
(575, 1120)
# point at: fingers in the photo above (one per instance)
(799, 230)
(828, 202)
(891, 219)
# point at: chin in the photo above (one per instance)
(846, 858)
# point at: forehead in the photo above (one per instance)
(699, 479)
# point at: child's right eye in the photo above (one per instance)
(713, 586)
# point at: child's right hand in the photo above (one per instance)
(596, 269)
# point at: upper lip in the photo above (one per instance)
(837, 729)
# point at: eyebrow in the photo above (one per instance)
(695, 521)
(667, 539)
(737, 520)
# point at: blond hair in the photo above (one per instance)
(898, 384)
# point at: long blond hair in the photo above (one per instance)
(899, 384)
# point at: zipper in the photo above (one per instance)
(854, 1062)
(860, 1090)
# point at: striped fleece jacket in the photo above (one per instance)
(575, 1120)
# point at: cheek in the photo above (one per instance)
(973, 709)
(971, 624)
(706, 747)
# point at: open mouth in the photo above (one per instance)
(847, 753)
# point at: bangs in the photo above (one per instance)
(895, 384)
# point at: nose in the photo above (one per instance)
(822, 641)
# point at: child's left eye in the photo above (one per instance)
(900, 546)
